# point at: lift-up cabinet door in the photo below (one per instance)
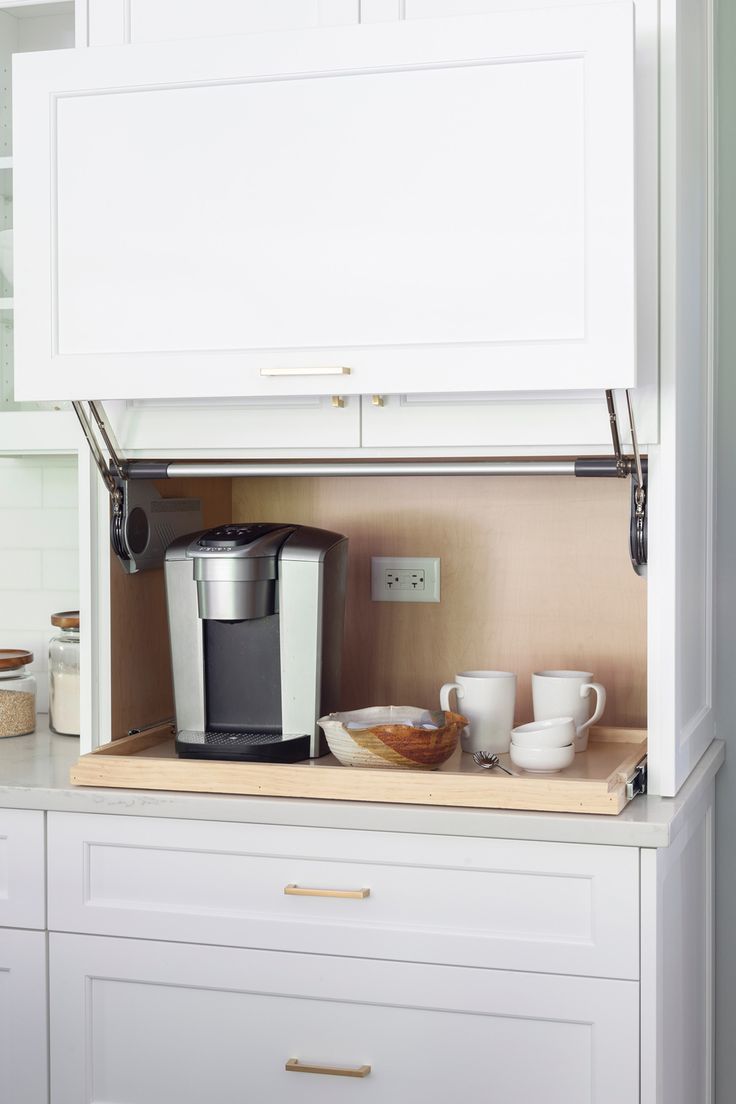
(426, 206)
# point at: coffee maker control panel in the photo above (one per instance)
(248, 541)
(225, 537)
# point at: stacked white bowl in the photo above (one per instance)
(543, 747)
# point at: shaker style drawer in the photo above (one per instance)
(554, 908)
(22, 869)
(228, 1025)
(23, 1017)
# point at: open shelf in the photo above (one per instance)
(595, 783)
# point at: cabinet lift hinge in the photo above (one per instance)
(132, 495)
(638, 529)
(142, 523)
(112, 473)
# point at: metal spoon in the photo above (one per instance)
(486, 759)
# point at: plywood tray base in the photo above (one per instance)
(595, 783)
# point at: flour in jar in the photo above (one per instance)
(64, 702)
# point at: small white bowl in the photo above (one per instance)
(542, 760)
(555, 733)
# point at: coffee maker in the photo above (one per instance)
(256, 625)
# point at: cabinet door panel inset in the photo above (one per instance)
(399, 200)
(252, 211)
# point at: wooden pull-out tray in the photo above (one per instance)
(595, 783)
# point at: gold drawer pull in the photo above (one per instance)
(295, 1066)
(304, 891)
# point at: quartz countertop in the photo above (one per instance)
(34, 774)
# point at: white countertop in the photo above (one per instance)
(34, 774)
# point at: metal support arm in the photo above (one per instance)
(117, 473)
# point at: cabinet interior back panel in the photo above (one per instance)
(535, 575)
(392, 205)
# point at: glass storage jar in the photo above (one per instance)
(17, 694)
(64, 674)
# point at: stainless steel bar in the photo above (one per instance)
(237, 469)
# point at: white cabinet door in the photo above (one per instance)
(313, 423)
(544, 424)
(23, 1036)
(166, 1023)
(22, 869)
(114, 22)
(535, 423)
(428, 206)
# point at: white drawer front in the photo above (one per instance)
(220, 1024)
(23, 1019)
(22, 869)
(557, 908)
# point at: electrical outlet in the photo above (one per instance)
(405, 578)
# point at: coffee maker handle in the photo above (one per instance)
(445, 695)
(600, 705)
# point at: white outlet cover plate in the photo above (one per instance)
(381, 565)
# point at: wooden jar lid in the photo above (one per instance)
(67, 619)
(13, 658)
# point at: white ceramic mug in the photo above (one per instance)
(487, 699)
(568, 694)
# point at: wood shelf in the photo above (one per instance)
(595, 783)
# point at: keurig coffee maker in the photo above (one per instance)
(256, 625)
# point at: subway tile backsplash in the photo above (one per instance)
(39, 556)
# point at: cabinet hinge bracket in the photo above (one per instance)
(94, 421)
(142, 524)
(636, 468)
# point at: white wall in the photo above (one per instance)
(726, 557)
(39, 554)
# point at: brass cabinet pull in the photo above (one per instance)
(306, 370)
(295, 1066)
(305, 891)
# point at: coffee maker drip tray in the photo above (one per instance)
(248, 746)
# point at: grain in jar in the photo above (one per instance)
(17, 694)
